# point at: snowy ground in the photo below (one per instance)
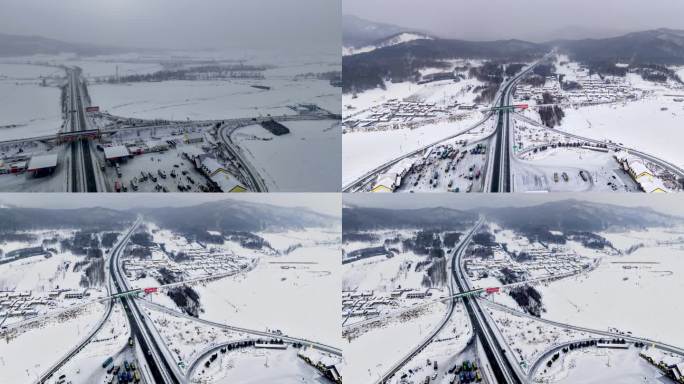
(367, 148)
(282, 291)
(595, 366)
(252, 366)
(38, 276)
(621, 295)
(646, 124)
(435, 92)
(271, 297)
(381, 274)
(26, 355)
(211, 100)
(536, 172)
(306, 159)
(187, 339)
(26, 182)
(376, 350)
(528, 338)
(372, 349)
(639, 124)
(111, 341)
(100, 67)
(363, 151)
(28, 109)
(448, 348)
(292, 82)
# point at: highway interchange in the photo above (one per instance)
(500, 157)
(85, 169)
(497, 360)
(155, 360)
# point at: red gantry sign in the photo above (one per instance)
(93, 109)
(150, 290)
(492, 290)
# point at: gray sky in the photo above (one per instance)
(326, 203)
(535, 20)
(672, 204)
(185, 24)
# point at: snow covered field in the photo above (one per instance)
(620, 295)
(26, 355)
(645, 124)
(282, 292)
(597, 366)
(448, 349)
(256, 366)
(111, 341)
(641, 125)
(210, 100)
(374, 352)
(363, 151)
(306, 159)
(28, 109)
(366, 148)
(373, 348)
(298, 300)
(39, 274)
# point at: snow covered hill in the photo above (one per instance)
(399, 38)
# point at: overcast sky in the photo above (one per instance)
(672, 204)
(180, 24)
(535, 20)
(326, 203)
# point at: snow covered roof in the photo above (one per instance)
(652, 184)
(386, 181)
(227, 182)
(401, 167)
(211, 165)
(42, 162)
(116, 152)
(638, 168)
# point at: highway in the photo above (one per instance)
(499, 178)
(502, 369)
(84, 175)
(154, 124)
(502, 99)
(160, 365)
(459, 249)
(162, 371)
(121, 245)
